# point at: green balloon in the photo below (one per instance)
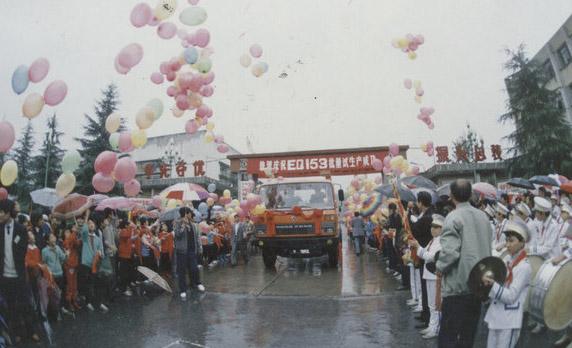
(71, 161)
(114, 141)
(204, 65)
(157, 106)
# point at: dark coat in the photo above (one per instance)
(421, 229)
(19, 247)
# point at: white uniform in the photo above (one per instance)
(532, 237)
(547, 241)
(504, 316)
(562, 240)
(499, 239)
(428, 254)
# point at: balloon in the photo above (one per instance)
(33, 105)
(145, 118)
(203, 111)
(407, 83)
(219, 139)
(7, 136)
(195, 100)
(211, 187)
(416, 84)
(419, 92)
(119, 68)
(102, 183)
(166, 30)
(210, 201)
(125, 144)
(130, 55)
(171, 203)
(114, 141)
(259, 209)
(138, 138)
(412, 55)
(206, 91)
(204, 65)
(157, 202)
(418, 99)
(132, 188)
(105, 162)
(210, 127)
(71, 161)
(203, 208)
(256, 51)
(125, 170)
(38, 70)
(65, 184)
(157, 78)
(202, 38)
(112, 122)
(386, 161)
(191, 55)
(226, 193)
(259, 68)
(195, 83)
(394, 149)
(209, 138)
(141, 15)
(182, 102)
(165, 9)
(222, 148)
(20, 79)
(191, 127)
(245, 60)
(9, 173)
(157, 106)
(177, 112)
(3, 194)
(377, 164)
(193, 16)
(396, 162)
(55, 93)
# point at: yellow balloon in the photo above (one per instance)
(171, 203)
(177, 112)
(418, 99)
(245, 60)
(424, 147)
(417, 84)
(396, 162)
(226, 193)
(210, 126)
(259, 209)
(9, 173)
(402, 42)
(33, 105)
(112, 123)
(412, 55)
(195, 100)
(145, 118)
(209, 138)
(138, 138)
(65, 184)
(165, 9)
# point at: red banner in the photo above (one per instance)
(348, 163)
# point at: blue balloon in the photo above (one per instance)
(191, 55)
(20, 79)
(211, 188)
(203, 207)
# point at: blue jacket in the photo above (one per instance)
(87, 253)
(54, 258)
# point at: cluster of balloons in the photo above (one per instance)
(7, 136)
(109, 168)
(428, 148)
(396, 164)
(409, 44)
(66, 181)
(257, 69)
(360, 189)
(419, 91)
(425, 116)
(54, 93)
(8, 173)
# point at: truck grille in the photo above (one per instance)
(295, 229)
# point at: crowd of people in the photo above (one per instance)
(432, 248)
(52, 268)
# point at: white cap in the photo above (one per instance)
(501, 209)
(542, 204)
(45, 217)
(438, 220)
(567, 208)
(519, 227)
(490, 211)
(523, 209)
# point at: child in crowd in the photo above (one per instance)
(71, 247)
(127, 236)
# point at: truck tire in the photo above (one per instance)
(269, 257)
(333, 257)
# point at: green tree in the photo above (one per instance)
(47, 163)
(22, 154)
(467, 142)
(542, 139)
(96, 138)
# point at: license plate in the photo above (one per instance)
(304, 251)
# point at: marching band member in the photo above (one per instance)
(555, 212)
(523, 212)
(491, 215)
(504, 316)
(564, 226)
(498, 238)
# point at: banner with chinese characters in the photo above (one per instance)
(348, 163)
(462, 155)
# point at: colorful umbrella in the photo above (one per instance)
(543, 180)
(116, 203)
(46, 197)
(521, 182)
(485, 190)
(185, 192)
(371, 203)
(71, 206)
(97, 198)
(417, 181)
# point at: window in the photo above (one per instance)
(547, 66)
(564, 55)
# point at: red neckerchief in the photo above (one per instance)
(521, 256)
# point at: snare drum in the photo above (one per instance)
(550, 300)
(535, 262)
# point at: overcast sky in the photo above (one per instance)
(344, 86)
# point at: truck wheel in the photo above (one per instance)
(269, 257)
(333, 257)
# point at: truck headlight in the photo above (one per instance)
(260, 229)
(328, 227)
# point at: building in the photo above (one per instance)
(492, 172)
(169, 159)
(555, 56)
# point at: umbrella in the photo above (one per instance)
(405, 193)
(71, 206)
(97, 198)
(486, 190)
(170, 215)
(433, 193)
(521, 182)
(155, 278)
(46, 197)
(417, 181)
(115, 203)
(371, 203)
(567, 187)
(444, 190)
(185, 192)
(543, 180)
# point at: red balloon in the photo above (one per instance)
(105, 162)
(3, 194)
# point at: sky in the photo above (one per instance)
(344, 84)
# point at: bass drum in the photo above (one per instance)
(535, 262)
(550, 300)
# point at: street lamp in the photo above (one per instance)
(171, 156)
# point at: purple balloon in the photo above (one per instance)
(141, 15)
(55, 92)
(38, 70)
(166, 30)
(130, 55)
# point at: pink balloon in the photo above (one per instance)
(201, 38)
(132, 188)
(164, 68)
(407, 83)
(153, 22)
(420, 39)
(196, 83)
(38, 70)
(386, 170)
(191, 127)
(166, 30)
(219, 139)
(141, 15)
(206, 91)
(244, 205)
(171, 76)
(174, 64)
(172, 91)
(119, 68)
(182, 102)
(203, 111)
(130, 55)
(157, 78)
(105, 162)
(377, 164)
(3, 194)
(256, 51)
(222, 148)
(386, 161)
(125, 169)
(102, 183)
(208, 78)
(394, 149)
(156, 202)
(7, 136)
(185, 80)
(419, 92)
(125, 144)
(55, 92)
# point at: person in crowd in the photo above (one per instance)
(71, 248)
(394, 223)
(501, 219)
(40, 232)
(564, 227)
(358, 231)
(466, 239)
(167, 249)
(546, 230)
(238, 240)
(127, 236)
(187, 246)
(369, 226)
(505, 313)
(91, 254)
(110, 239)
(555, 212)
(564, 256)
(148, 249)
(53, 257)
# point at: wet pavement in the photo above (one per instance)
(303, 303)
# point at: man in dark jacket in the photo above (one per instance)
(188, 246)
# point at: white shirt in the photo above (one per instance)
(547, 239)
(499, 239)
(428, 254)
(9, 264)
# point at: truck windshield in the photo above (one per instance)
(305, 195)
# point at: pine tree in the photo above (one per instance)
(467, 142)
(96, 138)
(47, 163)
(22, 154)
(542, 139)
